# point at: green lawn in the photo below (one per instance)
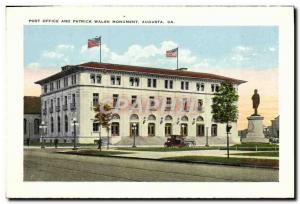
(262, 154)
(230, 161)
(94, 152)
(166, 149)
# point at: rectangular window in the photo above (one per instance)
(149, 83)
(152, 102)
(73, 79)
(58, 84)
(92, 77)
(212, 88)
(51, 86)
(118, 82)
(95, 99)
(115, 129)
(66, 100)
(134, 81)
(200, 130)
(166, 84)
(131, 81)
(115, 80)
(98, 78)
(95, 127)
(66, 82)
(73, 99)
(184, 85)
(154, 83)
(133, 101)
(202, 86)
(214, 130)
(200, 104)
(58, 101)
(115, 100)
(45, 88)
(151, 129)
(168, 104)
(185, 104)
(51, 102)
(169, 84)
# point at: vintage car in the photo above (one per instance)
(178, 141)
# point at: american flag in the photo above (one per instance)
(94, 42)
(172, 53)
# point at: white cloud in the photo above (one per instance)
(59, 52)
(149, 55)
(52, 55)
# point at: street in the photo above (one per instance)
(46, 165)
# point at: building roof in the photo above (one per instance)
(32, 105)
(139, 69)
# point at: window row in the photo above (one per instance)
(134, 129)
(153, 103)
(59, 123)
(60, 101)
(151, 83)
(58, 83)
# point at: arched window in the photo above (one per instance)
(151, 117)
(66, 123)
(214, 130)
(52, 125)
(36, 126)
(115, 129)
(134, 117)
(151, 129)
(184, 118)
(58, 124)
(168, 118)
(115, 117)
(200, 119)
(25, 126)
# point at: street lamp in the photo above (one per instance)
(74, 124)
(43, 127)
(134, 133)
(228, 128)
(207, 137)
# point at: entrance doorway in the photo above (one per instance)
(184, 129)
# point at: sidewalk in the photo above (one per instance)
(160, 155)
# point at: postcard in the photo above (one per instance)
(150, 102)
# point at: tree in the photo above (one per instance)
(224, 107)
(103, 117)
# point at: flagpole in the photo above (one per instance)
(100, 48)
(177, 56)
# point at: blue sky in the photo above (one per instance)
(215, 47)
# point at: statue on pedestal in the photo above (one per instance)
(255, 102)
(255, 124)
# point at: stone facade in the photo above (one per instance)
(149, 105)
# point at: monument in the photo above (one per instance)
(255, 124)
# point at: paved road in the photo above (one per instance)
(45, 165)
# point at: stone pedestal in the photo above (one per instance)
(255, 130)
